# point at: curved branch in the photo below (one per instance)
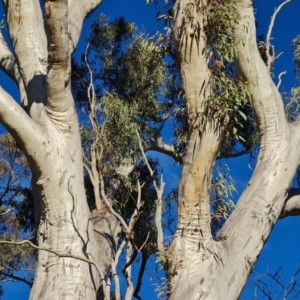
(157, 144)
(267, 101)
(237, 154)
(8, 64)
(292, 205)
(279, 79)
(78, 11)
(17, 278)
(271, 58)
(24, 130)
(26, 29)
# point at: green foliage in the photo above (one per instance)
(223, 187)
(223, 18)
(296, 51)
(119, 129)
(16, 257)
(16, 210)
(292, 104)
(247, 133)
(292, 99)
(230, 96)
(15, 189)
(129, 76)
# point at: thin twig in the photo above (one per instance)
(279, 79)
(17, 278)
(7, 211)
(91, 85)
(108, 204)
(135, 216)
(144, 155)
(159, 193)
(270, 58)
(54, 252)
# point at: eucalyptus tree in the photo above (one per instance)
(208, 36)
(45, 126)
(222, 73)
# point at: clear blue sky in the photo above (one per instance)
(283, 246)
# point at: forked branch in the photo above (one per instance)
(271, 57)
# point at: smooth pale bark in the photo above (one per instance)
(193, 234)
(49, 135)
(203, 268)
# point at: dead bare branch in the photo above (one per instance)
(270, 58)
(279, 79)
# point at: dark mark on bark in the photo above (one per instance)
(62, 178)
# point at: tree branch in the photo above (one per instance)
(127, 271)
(158, 214)
(7, 211)
(279, 79)
(237, 154)
(159, 193)
(109, 206)
(9, 65)
(292, 205)
(267, 101)
(157, 144)
(8, 62)
(59, 58)
(140, 277)
(17, 278)
(26, 29)
(270, 58)
(114, 270)
(24, 130)
(78, 11)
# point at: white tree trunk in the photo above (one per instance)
(203, 268)
(49, 135)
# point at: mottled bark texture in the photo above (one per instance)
(46, 127)
(203, 267)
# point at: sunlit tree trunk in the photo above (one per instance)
(46, 127)
(203, 267)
